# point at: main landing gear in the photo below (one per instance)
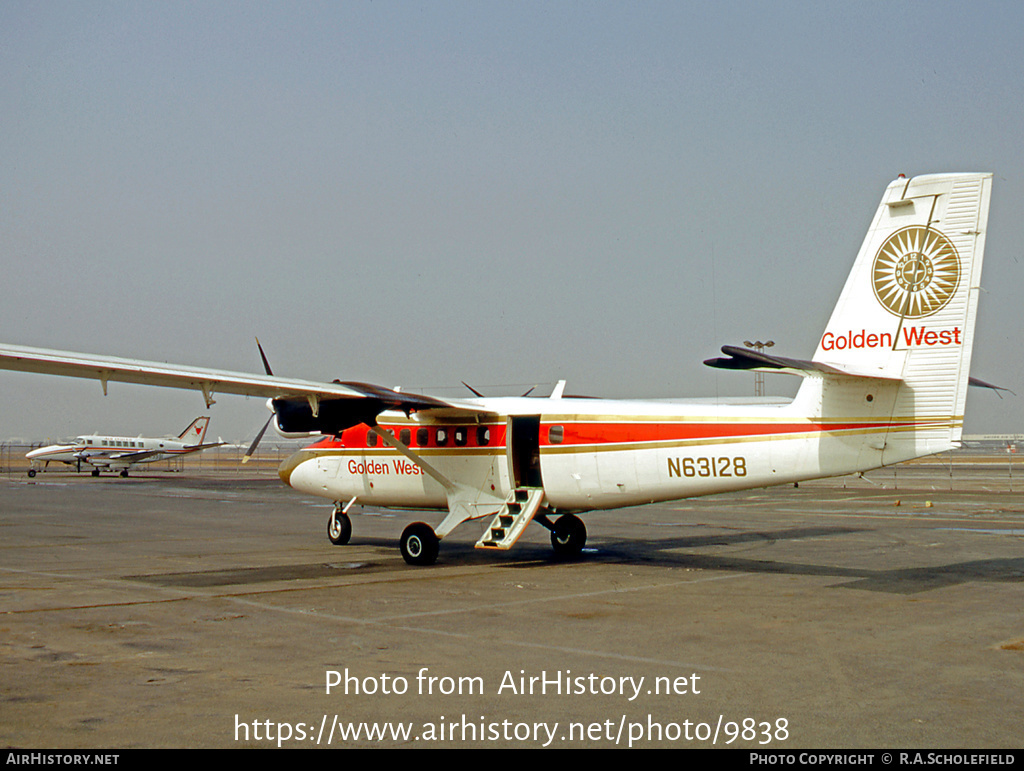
(568, 536)
(419, 544)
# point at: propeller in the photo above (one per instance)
(255, 443)
(266, 364)
(252, 447)
(528, 392)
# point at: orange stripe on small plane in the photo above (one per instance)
(586, 433)
(621, 433)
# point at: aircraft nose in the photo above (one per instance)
(292, 472)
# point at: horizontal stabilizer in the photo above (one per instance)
(746, 359)
(973, 381)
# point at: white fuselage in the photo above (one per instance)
(111, 452)
(600, 454)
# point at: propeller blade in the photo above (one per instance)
(472, 389)
(252, 448)
(266, 364)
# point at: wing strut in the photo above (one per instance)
(463, 501)
(440, 478)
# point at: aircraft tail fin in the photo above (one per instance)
(907, 314)
(196, 431)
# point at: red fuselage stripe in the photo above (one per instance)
(581, 434)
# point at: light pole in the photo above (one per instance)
(759, 376)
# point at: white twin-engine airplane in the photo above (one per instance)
(887, 383)
(120, 453)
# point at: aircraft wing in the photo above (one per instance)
(130, 457)
(300, 405)
(201, 447)
(107, 368)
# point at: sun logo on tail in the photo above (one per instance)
(916, 272)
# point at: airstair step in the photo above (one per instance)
(513, 517)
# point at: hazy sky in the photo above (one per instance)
(503, 193)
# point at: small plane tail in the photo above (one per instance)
(196, 431)
(904, 324)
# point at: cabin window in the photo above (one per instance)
(404, 435)
(371, 438)
(422, 437)
(483, 436)
(441, 437)
(556, 434)
(461, 435)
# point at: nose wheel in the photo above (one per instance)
(339, 528)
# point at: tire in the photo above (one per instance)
(339, 529)
(31, 473)
(419, 544)
(569, 536)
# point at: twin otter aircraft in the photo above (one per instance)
(887, 383)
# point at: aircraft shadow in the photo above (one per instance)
(663, 552)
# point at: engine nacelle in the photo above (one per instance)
(294, 416)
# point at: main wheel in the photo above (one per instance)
(95, 472)
(569, 536)
(31, 473)
(339, 528)
(419, 544)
